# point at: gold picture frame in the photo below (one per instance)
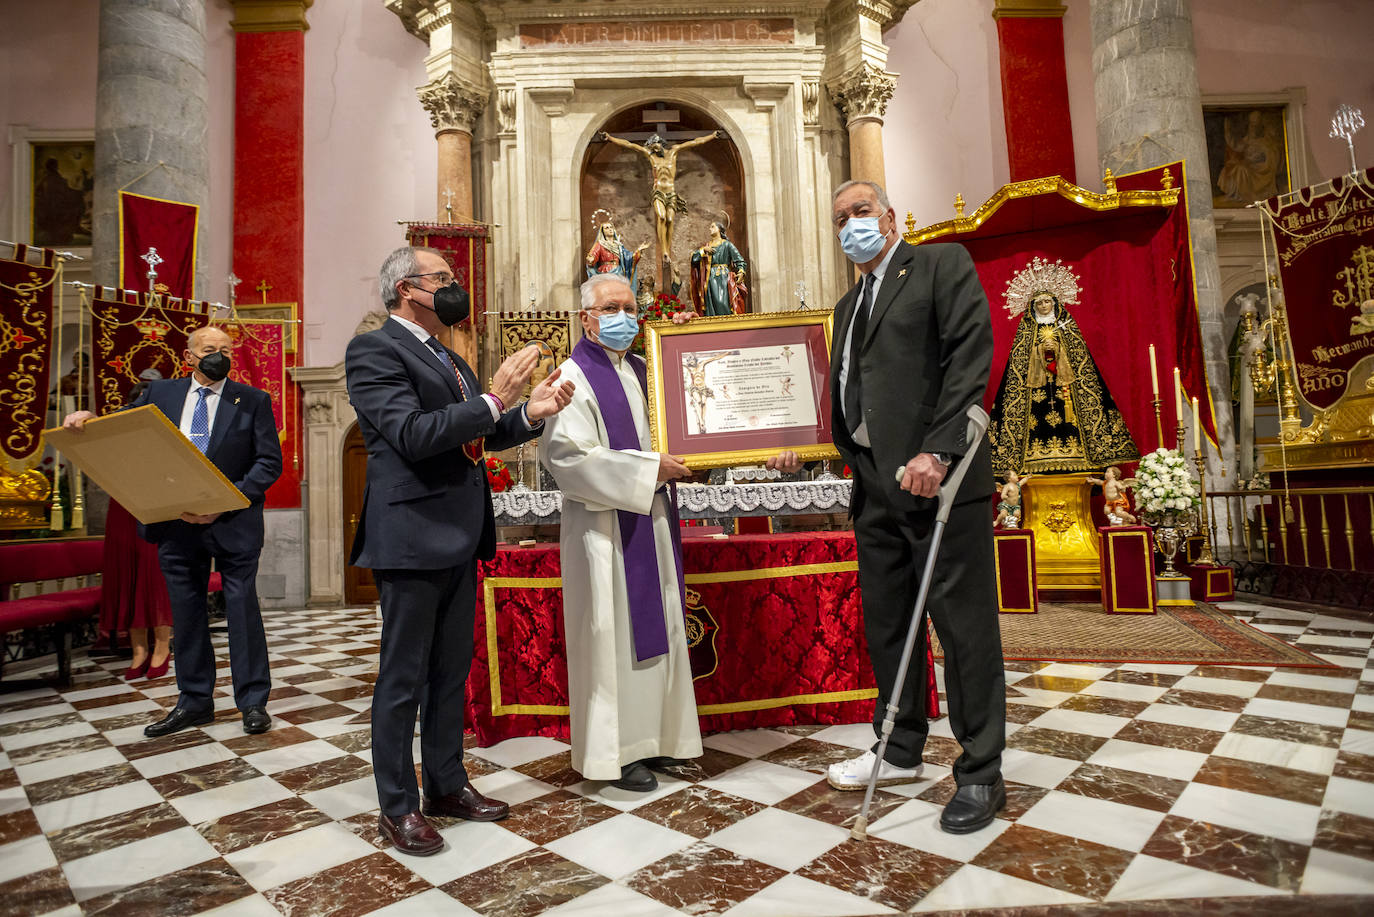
(286, 312)
(779, 363)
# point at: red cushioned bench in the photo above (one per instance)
(32, 562)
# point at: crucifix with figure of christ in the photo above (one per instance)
(663, 166)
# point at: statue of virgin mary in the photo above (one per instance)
(1053, 411)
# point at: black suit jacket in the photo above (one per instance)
(243, 445)
(926, 357)
(426, 506)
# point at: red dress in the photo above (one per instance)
(133, 592)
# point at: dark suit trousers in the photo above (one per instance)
(427, 618)
(185, 563)
(962, 604)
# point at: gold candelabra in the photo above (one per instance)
(1205, 558)
(1159, 419)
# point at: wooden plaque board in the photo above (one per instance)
(141, 459)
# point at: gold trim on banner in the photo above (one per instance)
(498, 708)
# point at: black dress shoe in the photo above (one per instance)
(256, 720)
(663, 763)
(411, 834)
(180, 718)
(467, 803)
(636, 778)
(973, 807)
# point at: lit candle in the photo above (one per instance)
(1178, 397)
(1154, 374)
(1197, 429)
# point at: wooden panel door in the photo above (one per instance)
(359, 588)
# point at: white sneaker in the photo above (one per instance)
(854, 773)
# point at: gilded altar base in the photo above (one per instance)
(24, 499)
(1058, 510)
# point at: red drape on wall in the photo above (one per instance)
(1035, 94)
(1135, 268)
(169, 227)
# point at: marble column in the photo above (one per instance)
(1149, 112)
(150, 107)
(862, 94)
(454, 105)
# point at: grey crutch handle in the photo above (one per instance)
(977, 426)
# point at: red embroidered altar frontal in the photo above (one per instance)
(775, 620)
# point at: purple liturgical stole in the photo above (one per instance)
(640, 555)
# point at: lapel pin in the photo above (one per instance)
(236, 401)
(902, 272)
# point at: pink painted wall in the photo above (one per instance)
(1269, 45)
(370, 161)
(47, 76)
(943, 133)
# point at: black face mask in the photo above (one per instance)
(451, 304)
(214, 366)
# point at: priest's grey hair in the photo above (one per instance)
(400, 264)
(590, 285)
(877, 189)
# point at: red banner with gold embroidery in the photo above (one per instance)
(1325, 247)
(464, 247)
(260, 361)
(133, 336)
(26, 320)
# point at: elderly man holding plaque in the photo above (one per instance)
(629, 677)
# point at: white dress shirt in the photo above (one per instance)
(423, 337)
(188, 408)
(861, 434)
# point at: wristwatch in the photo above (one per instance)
(944, 458)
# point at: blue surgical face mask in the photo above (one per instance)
(861, 239)
(617, 330)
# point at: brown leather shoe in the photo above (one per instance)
(467, 803)
(411, 834)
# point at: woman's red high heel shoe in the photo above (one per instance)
(157, 671)
(137, 671)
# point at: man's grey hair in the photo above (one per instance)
(876, 188)
(399, 265)
(595, 282)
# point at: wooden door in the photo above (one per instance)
(359, 588)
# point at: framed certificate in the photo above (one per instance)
(738, 389)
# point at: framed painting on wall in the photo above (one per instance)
(1247, 151)
(61, 186)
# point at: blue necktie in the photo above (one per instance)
(200, 421)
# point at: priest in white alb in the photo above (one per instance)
(633, 710)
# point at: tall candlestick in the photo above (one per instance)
(1197, 429)
(1178, 399)
(1154, 373)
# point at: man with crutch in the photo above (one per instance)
(912, 353)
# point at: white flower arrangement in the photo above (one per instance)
(1164, 484)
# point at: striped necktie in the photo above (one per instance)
(200, 421)
(473, 449)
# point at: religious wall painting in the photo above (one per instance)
(1247, 150)
(700, 181)
(61, 191)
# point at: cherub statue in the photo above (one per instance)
(1009, 507)
(1118, 505)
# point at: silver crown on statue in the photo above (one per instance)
(1041, 276)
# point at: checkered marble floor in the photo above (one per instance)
(1127, 784)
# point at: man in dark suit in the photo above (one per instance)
(233, 425)
(426, 518)
(912, 352)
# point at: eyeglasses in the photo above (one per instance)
(609, 308)
(445, 278)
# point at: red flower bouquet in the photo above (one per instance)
(498, 475)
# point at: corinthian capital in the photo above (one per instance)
(453, 104)
(863, 92)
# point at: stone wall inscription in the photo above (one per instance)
(658, 32)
